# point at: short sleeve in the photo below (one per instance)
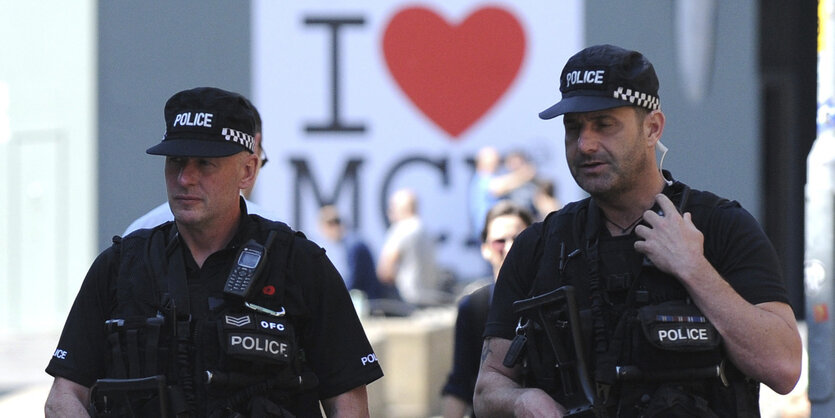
(336, 346)
(743, 255)
(80, 355)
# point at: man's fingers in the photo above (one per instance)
(666, 204)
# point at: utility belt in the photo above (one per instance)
(655, 347)
(153, 372)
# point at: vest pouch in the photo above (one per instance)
(135, 348)
(673, 336)
(257, 338)
(669, 401)
(143, 397)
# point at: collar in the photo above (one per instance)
(674, 189)
(246, 226)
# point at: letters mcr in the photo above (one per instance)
(305, 178)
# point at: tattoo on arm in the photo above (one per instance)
(485, 351)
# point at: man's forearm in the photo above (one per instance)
(66, 399)
(353, 403)
(762, 340)
(64, 406)
(498, 394)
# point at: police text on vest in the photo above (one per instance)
(259, 344)
(682, 334)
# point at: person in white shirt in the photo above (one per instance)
(407, 258)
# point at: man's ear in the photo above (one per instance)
(654, 126)
(249, 171)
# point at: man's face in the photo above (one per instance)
(501, 232)
(606, 150)
(203, 190)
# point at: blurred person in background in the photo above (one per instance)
(521, 175)
(545, 199)
(503, 222)
(360, 270)
(407, 258)
(481, 196)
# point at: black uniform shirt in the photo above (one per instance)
(734, 244)
(335, 344)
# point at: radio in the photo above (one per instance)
(249, 263)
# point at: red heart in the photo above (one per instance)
(454, 74)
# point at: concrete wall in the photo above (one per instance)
(714, 143)
(147, 52)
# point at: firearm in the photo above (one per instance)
(555, 314)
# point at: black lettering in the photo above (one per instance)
(349, 177)
(470, 241)
(440, 165)
(335, 124)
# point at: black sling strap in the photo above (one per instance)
(285, 246)
(168, 269)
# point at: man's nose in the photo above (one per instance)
(188, 172)
(587, 141)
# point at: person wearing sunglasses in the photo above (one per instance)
(503, 222)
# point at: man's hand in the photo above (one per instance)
(672, 242)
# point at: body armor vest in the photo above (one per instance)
(644, 349)
(242, 358)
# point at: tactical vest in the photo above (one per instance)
(654, 354)
(244, 359)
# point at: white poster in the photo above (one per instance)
(362, 98)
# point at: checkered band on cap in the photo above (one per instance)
(239, 137)
(637, 98)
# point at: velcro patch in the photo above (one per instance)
(678, 326)
(683, 334)
(242, 321)
(265, 347)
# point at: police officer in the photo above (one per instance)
(218, 313)
(680, 307)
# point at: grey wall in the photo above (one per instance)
(714, 145)
(147, 52)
